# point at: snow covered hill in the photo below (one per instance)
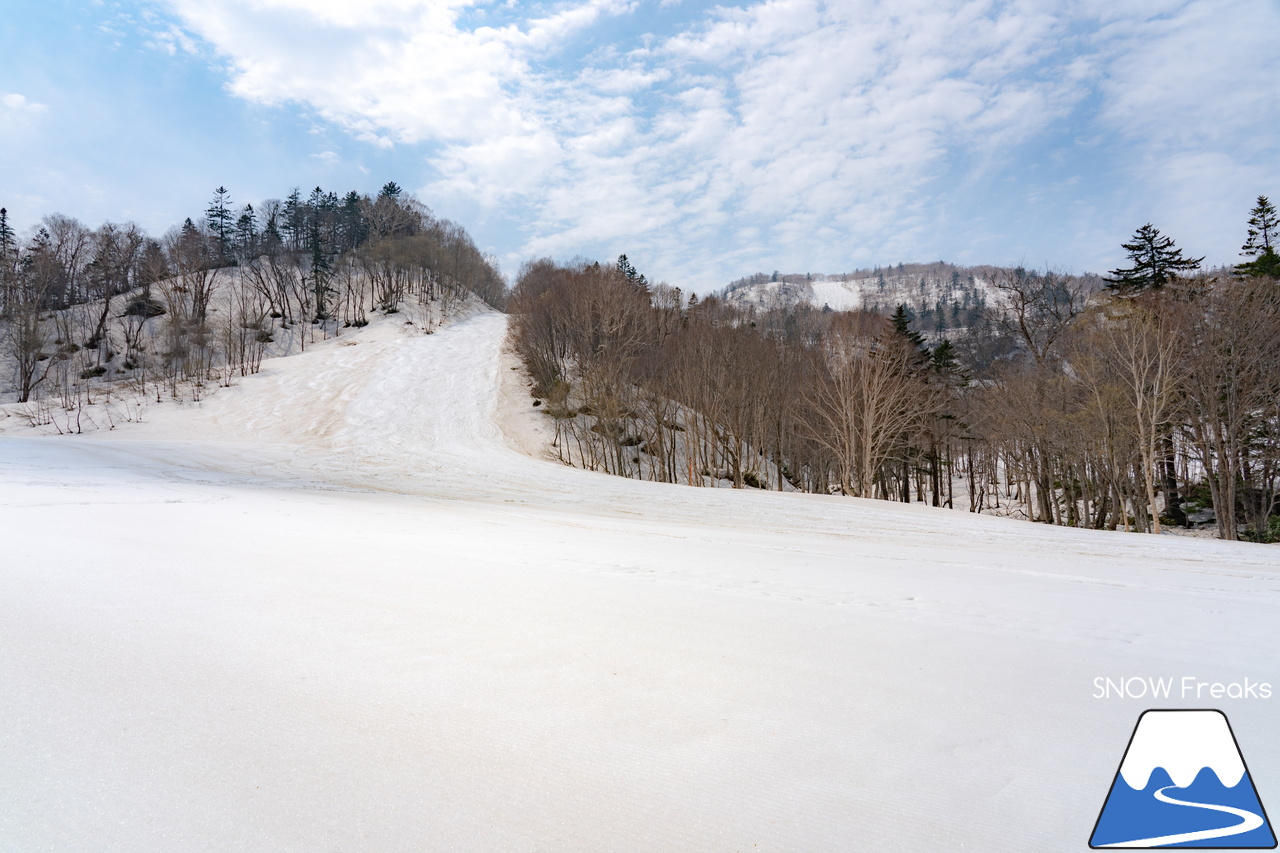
(941, 289)
(348, 604)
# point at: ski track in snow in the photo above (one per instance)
(333, 608)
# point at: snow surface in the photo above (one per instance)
(336, 607)
(838, 295)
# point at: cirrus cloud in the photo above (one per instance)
(801, 134)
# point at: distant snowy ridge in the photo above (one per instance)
(939, 294)
(920, 286)
(1183, 743)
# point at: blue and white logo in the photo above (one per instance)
(1183, 783)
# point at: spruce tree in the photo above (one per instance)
(625, 267)
(218, 216)
(1156, 262)
(271, 239)
(295, 217)
(320, 268)
(355, 228)
(1264, 230)
(943, 359)
(8, 242)
(902, 325)
(316, 201)
(8, 260)
(629, 272)
(6, 233)
(247, 233)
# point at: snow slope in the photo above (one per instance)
(337, 608)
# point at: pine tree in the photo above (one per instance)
(625, 267)
(8, 242)
(355, 229)
(271, 239)
(295, 217)
(1263, 225)
(629, 272)
(316, 201)
(7, 238)
(247, 233)
(946, 363)
(902, 325)
(320, 266)
(1264, 230)
(218, 216)
(1156, 262)
(8, 260)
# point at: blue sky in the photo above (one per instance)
(707, 142)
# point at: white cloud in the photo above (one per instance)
(18, 106)
(796, 131)
(171, 40)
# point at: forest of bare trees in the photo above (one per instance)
(89, 313)
(1150, 403)
(1132, 408)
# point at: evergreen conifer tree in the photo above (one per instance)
(271, 238)
(294, 226)
(320, 268)
(8, 260)
(1156, 262)
(629, 271)
(7, 237)
(316, 202)
(902, 325)
(218, 217)
(355, 229)
(247, 233)
(8, 242)
(946, 363)
(1264, 230)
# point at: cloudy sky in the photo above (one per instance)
(705, 141)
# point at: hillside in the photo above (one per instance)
(348, 603)
(941, 296)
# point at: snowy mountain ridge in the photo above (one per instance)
(922, 287)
